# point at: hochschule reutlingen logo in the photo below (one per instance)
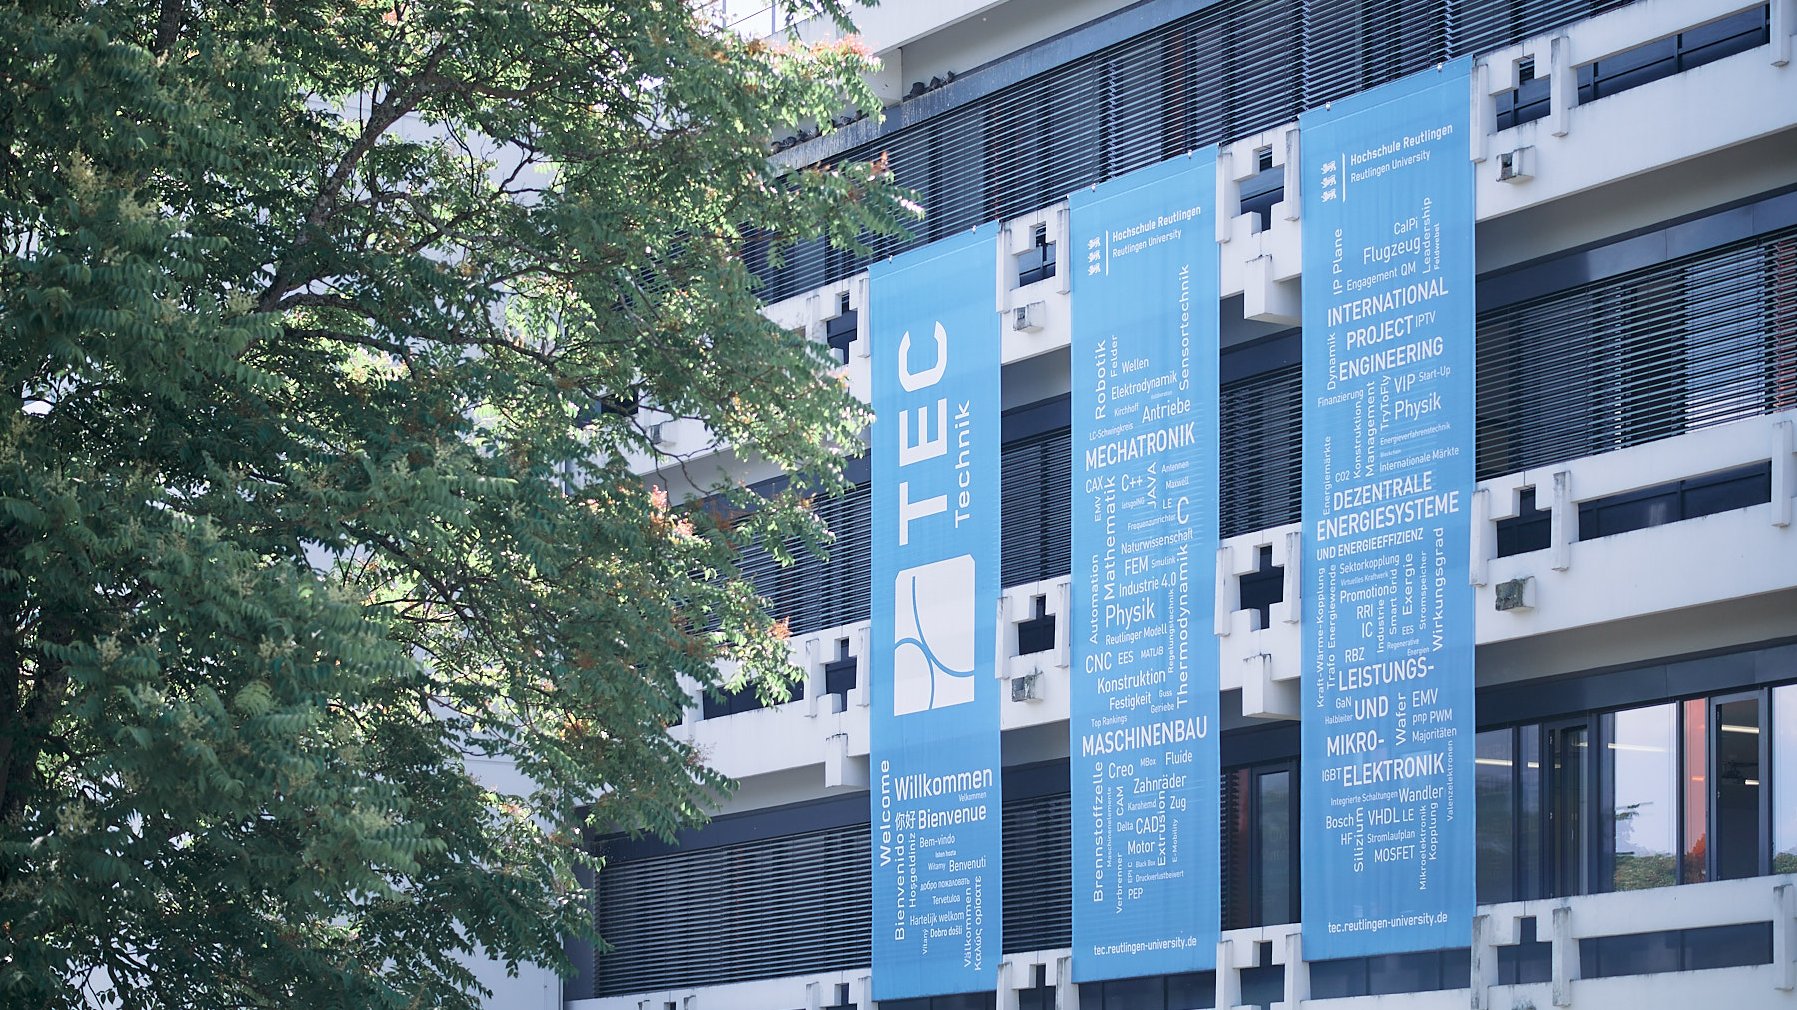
(933, 636)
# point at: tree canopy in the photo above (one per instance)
(306, 311)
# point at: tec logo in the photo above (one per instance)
(933, 603)
(932, 639)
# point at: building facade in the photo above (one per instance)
(1632, 562)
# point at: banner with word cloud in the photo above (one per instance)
(1143, 695)
(1387, 818)
(933, 729)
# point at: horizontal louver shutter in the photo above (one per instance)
(1038, 873)
(1220, 73)
(1232, 850)
(1035, 489)
(760, 909)
(799, 903)
(1681, 345)
(815, 593)
(1261, 449)
(1678, 346)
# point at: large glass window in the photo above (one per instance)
(1643, 804)
(1508, 790)
(1738, 793)
(1530, 855)
(1494, 786)
(1260, 848)
(1569, 755)
(1784, 787)
(1674, 793)
(1277, 858)
(1697, 792)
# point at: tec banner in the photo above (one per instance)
(1143, 696)
(1388, 477)
(934, 723)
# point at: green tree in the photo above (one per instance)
(304, 311)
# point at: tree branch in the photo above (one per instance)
(168, 26)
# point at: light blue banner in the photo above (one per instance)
(1143, 696)
(1388, 727)
(933, 728)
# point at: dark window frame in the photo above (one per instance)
(1037, 263)
(1588, 699)
(1243, 899)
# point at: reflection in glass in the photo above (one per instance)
(1784, 784)
(1275, 847)
(1494, 788)
(1566, 814)
(1697, 792)
(1529, 860)
(1644, 787)
(1738, 778)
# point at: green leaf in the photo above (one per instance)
(305, 492)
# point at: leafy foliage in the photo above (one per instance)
(304, 309)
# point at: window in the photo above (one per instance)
(1259, 847)
(839, 675)
(1189, 991)
(744, 699)
(814, 592)
(1568, 776)
(1395, 41)
(1675, 501)
(1037, 633)
(1495, 803)
(1422, 971)
(1531, 529)
(1643, 804)
(1256, 92)
(1038, 995)
(1528, 101)
(1020, 141)
(697, 915)
(1037, 262)
(1673, 54)
(1275, 793)
(840, 329)
(1781, 324)
(963, 1001)
(1694, 861)
(1262, 435)
(950, 183)
(1737, 764)
(1038, 865)
(1036, 492)
(1261, 192)
(1144, 96)
(1679, 345)
(1263, 587)
(1676, 792)
(1784, 787)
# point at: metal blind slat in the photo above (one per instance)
(813, 592)
(1038, 873)
(1261, 449)
(800, 903)
(1036, 496)
(1681, 345)
(1698, 341)
(1223, 72)
(780, 906)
